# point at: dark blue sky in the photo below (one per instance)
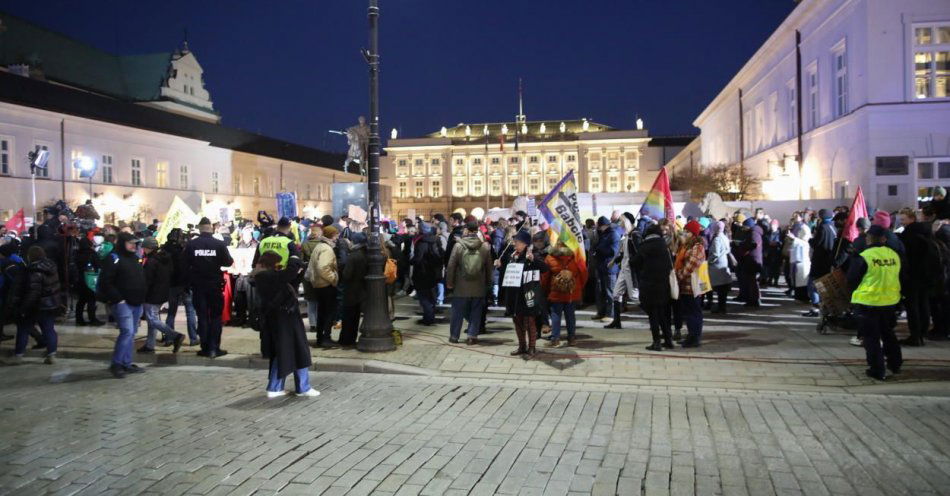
(292, 69)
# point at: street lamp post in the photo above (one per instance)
(376, 334)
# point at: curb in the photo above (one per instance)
(352, 365)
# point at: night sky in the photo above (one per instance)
(291, 69)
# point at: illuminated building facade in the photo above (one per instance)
(487, 165)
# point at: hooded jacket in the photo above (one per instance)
(354, 275)
(158, 276)
(427, 262)
(562, 258)
(41, 294)
(322, 269)
(653, 264)
(922, 263)
(122, 278)
(462, 286)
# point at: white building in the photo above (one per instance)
(844, 93)
(149, 122)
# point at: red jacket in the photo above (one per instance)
(556, 263)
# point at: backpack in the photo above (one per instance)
(564, 282)
(471, 263)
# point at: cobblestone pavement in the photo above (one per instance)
(772, 348)
(71, 429)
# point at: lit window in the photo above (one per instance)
(552, 158)
(107, 169)
(183, 177)
(5, 151)
(514, 186)
(812, 79)
(477, 187)
(792, 109)
(161, 175)
(552, 182)
(236, 184)
(932, 61)
(136, 172)
(418, 161)
(595, 184)
(477, 161)
(459, 187)
(532, 159)
(841, 82)
(495, 186)
(403, 189)
(512, 160)
(402, 163)
(435, 161)
(613, 183)
(534, 185)
(436, 189)
(459, 161)
(257, 186)
(495, 160)
(571, 158)
(420, 189)
(214, 184)
(630, 183)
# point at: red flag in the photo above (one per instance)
(659, 201)
(17, 223)
(501, 140)
(858, 209)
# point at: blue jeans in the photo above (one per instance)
(440, 293)
(183, 296)
(155, 324)
(605, 293)
(128, 317)
(276, 383)
(692, 309)
(569, 316)
(470, 309)
(812, 291)
(427, 302)
(312, 313)
(23, 328)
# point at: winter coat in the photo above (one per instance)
(653, 264)
(283, 336)
(453, 238)
(306, 248)
(321, 269)
(158, 276)
(608, 244)
(515, 301)
(86, 260)
(427, 262)
(497, 241)
(799, 257)
(563, 259)
(921, 268)
(354, 276)
(175, 251)
(718, 258)
(122, 278)
(461, 285)
(41, 293)
(750, 250)
(823, 249)
(688, 261)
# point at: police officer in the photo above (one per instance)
(203, 259)
(875, 277)
(280, 242)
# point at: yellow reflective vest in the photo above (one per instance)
(881, 285)
(279, 244)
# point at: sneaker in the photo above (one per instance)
(276, 394)
(571, 341)
(519, 351)
(471, 341)
(50, 359)
(117, 371)
(310, 393)
(145, 350)
(812, 313)
(196, 342)
(134, 369)
(554, 343)
(454, 340)
(874, 375)
(176, 344)
(856, 341)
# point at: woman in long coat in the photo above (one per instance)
(283, 336)
(652, 265)
(718, 257)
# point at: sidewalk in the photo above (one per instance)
(770, 349)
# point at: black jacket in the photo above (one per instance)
(652, 265)
(158, 276)
(41, 292)
(515, 298)
(427, 262)
(354, 276)
(283, 336)
(203, 259)
(176, 252)
(122, 278)
(823, 249)
(922, 269)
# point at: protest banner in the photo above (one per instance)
(179, 215)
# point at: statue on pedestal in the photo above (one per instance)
(358, 139)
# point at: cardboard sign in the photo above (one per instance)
(513, 274)
(357, 213)
(243, 260)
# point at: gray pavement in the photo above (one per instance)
(70, 428)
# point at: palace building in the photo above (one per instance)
(488, 165)
(149, 124)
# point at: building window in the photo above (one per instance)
(107, 169)
(459, 161)
(595, 184)
(495, 160)
(236, 184)
(477, 187)
(613, 183)
(183, 177)
(840, 61)
(161, 175)
(552, 182)
(402, 163)
(534, 185)
(136, 172)
(552, 158)
(630, 182)
(495, 186)
(403, 189)
(571, 158)
(533, 159)
(514, 186)
(420, 189)
(5, 152)
(932, 61)
(418, 161)
(257, 186)
(943, 170)
(925, 170)
(44, 172)
(891, 190)
(435, 161)
(512, 160)
(214, 184)
(459, 187)
(477, 161)
(436, 189)
(812, 78)
(792, 109)
(891, 166)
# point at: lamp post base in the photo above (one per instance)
(377, 331)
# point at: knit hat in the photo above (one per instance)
(940, 190)
(694, 227)
(750, 222)
(704, 222)
(471, 226)
(603, 221)
(882, 218)
(524, 237)
(283, 222)
(863, 223)
(329, 231)
(150, 243)
(824, 214)
(877, 231)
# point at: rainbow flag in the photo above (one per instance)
(559, 209)
(659, 202)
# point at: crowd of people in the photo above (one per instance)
(675, 269)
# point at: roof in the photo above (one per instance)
(34, 93)
(671, 140)
(552, 128)
(64, 60)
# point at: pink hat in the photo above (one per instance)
(882, 218)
